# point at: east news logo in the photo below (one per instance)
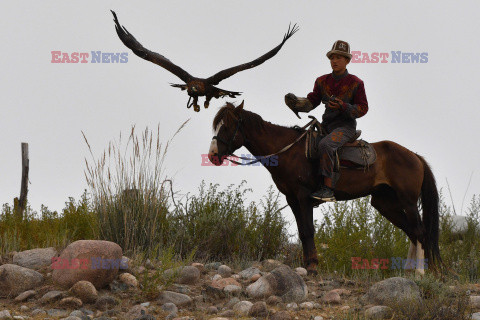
(392, 57)
(92, 57)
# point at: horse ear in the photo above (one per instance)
(241, 105)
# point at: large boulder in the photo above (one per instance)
(35, 258)
(96, 261)
(15, 279)
(283, 282)
(393, 291)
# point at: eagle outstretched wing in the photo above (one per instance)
(129, 40)
(219, 76)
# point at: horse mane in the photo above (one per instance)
(229, 117)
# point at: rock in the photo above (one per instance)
(178, 299)
(281, 315)
(189, 275)
(242, 308)
(232, 289)
(306, 305)
(302, 272)
(255, 277)
(212, 265)
(5, 314)
(274, 300)
(283, 282)
(71, 318)
(149, 265)
(223, 282)
(270, 264)
(39, 312)
(84, 290)
(258, 309)
(476, 316)
(212, 310)
(292, 306)
(232, 302)
(126, 265)
(224, 271)
(169, 307)
(219, 318)
(181, 288)
(128, 279)
(35, 258)
(117, 286)
(106, 302)
(332, 297)
(25, 295)
(145, 304)
(249, 273)
(318, 318)
(379, 313)
(77, 313)
(199, 266)
(135, 312)
(393, 291)
(16, 279)
(216, 277)
(96, 261)
(59, 313)
(227, 313)
(51, 296)
(342, 292)
(70, 302)
(475, 302)
(24, 308)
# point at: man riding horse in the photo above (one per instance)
(344, 97)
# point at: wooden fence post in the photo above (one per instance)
(22, 202)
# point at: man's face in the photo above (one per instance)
(338, 63)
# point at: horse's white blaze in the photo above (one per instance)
(213, 145)
(420, 271)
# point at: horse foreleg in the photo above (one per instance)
(303, 212)
(419, 270)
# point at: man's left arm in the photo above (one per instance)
(360, 105)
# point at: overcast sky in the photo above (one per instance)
(430, 108)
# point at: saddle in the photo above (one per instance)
(356, 154)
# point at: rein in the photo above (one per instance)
(252, 161)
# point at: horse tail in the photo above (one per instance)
(430, 204)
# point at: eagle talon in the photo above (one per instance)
(206, 104)
(196, 107)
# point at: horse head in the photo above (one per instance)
(228, 133)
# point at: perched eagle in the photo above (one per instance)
(195, 87)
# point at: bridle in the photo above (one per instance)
(230, 142)
(260, 158)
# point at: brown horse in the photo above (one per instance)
(396, 181)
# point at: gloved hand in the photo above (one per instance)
(291, 100)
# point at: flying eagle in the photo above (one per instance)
(195, 87)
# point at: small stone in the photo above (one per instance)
(39, 312)
(232, 289)
(379, 313)
(306, 305)
(476, 316)
(128, 279)
(212, 310)
(258, 309)
(475, 302)
(71, 318)
(169, 307)
(199, 266)
(70, 302)
(242, 308)
(224, 271)
(281, 315)
(60, 313)
(148, 264)
(249, 273)
(227, 313)
(345, 308)
(255, 277)
(232, 302)
(25, 295)
(76, 313)
(5, 314)
(51, 296)
(274, 300)
(24, 308)
(189, 275)
(216, 277)
(136, 312)
(84, 290)
(106, 302)
(178, 299)
(342, 292)
(301, 271)
(332, 298)
(292, 306)
(318, 318)
(213, 265)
